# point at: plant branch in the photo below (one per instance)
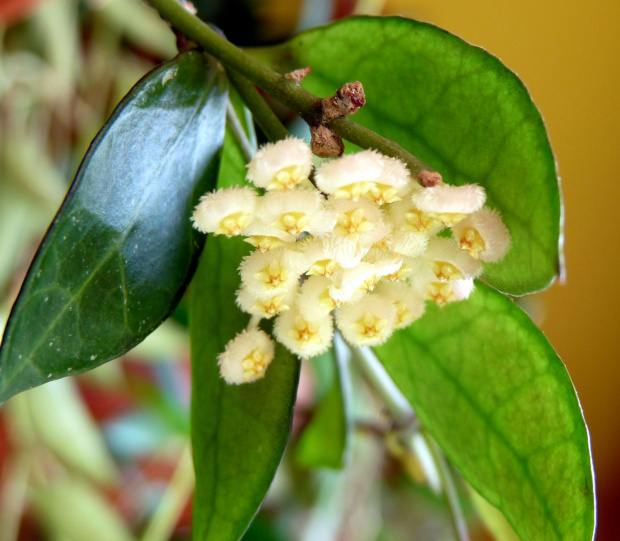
(262, 113)
(400, 410)
(286, 91)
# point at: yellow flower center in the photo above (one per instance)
(448, 218)
(440, 292)
(370, 326)
(271, 307)
(471, 241)
(446, 271)
(254, 365)
(324, 267)
(420, 221)
(274, 275)
(294, 222)
(303, 331)
(264, 243)
(352, 191)
(352, 222)
(382, 193)
(233, 224)
(287, 178)
(400, 274)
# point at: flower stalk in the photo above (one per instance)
(285, 90)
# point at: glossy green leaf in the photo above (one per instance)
(121, 250)
(494, 394)
(239, 433)
(459, 109)
(324, 441)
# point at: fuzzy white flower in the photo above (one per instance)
(367, 322)
(314, 300)
(447, 198)
(275, 272)
(404, 216)
(448, 262)
(443, 293)
(317, 261)
(360, 221)
(483, 235)
(345, 252)
(264, 243)
(350, 176)
(392, 184)
(246, 357)
(450, 204)
(225, 212)
(408, 304)
(281, 165)
(404, 271)
(409, 243)
(258, 231)
(266, 307)
(304, 337)
(351, 284)
(296, 211)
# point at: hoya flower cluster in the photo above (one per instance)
(359, 250)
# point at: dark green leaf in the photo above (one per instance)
(324, 441)
(239, 433)
(492, 391)
(121, 250)
(459, 109)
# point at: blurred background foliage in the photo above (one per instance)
(104, 456)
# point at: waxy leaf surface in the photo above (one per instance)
(239, 432)
(492, 391)
(460, 110)
(121, 249)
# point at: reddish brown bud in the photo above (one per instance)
(298, 75)
(350, 97)
(429, 178)
(325, 143)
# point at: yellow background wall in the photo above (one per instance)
(568, 54)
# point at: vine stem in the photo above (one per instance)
(402, 413)
(262, 113)
(286, 91)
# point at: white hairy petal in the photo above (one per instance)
(445, 198)
(246, 357)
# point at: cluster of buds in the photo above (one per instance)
(359, 247)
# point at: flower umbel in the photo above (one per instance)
(364, 247)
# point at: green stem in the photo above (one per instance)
(262, 113)
(400, 410)
(235, 125)
(175, 498)
(403, 414)
(447, 481)
(286, 91)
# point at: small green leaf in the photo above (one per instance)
(121, 250)
(325, 439)
(239, 433)
(459, 109)
(494, 394)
